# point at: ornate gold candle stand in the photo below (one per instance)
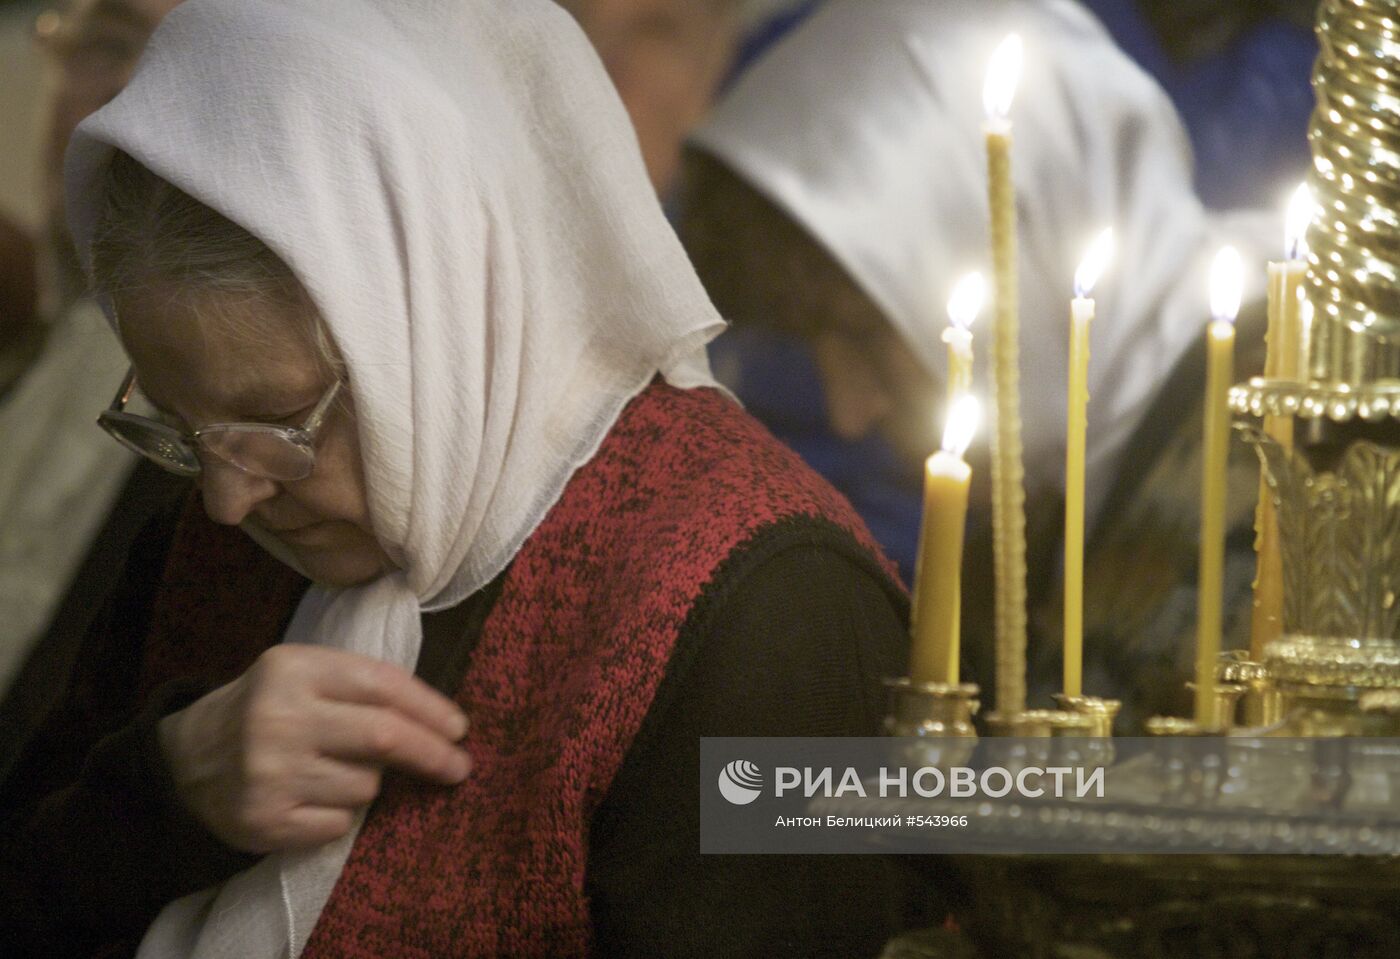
(1336, 491)
(1316, 767)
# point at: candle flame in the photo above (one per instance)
(966, 300)
(963, 419)
(1226, 284)
(1003, 74)
(1093, 264)
(1301, 210)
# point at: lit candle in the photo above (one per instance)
(1305, 326)
(1081, 315)
(1282, 361)
(938, 571)
(1008, 486)
(1226, 281)
(964, 304)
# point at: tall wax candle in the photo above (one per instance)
(1008, 475)
(934, 621)
(1081, 316)
(964, 303)
(1226, 280)
(1283, 361)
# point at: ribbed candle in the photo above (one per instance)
(1008, 472)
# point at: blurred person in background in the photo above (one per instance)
(71, 504)
(837, 194)
(1239, 74)
(94, 45)
(20, 330)
(667, 59)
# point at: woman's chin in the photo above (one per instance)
(338, 561)
(339, 571)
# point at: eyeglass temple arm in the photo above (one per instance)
(313, 422)
(124, 391)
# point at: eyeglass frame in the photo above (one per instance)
(303, 436)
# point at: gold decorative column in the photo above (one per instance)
(1337, 490)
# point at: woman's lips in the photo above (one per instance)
(300, 534)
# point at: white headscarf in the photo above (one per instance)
(458, 188)
(866, 125)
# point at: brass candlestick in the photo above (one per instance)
(1225, 706)
(1101, 712)
(1263, 706)
(938, 716)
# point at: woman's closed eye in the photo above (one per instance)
(177, 423)
(295, 418)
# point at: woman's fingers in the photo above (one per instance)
(311, 826)
(384, 736)
(339, 784)
(283, 755)
(358, 679)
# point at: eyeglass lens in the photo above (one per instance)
(266, 453)
(158, 443)
(269, 454)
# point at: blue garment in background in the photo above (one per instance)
(1246, 109)
(765, 34)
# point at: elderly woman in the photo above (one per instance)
(397, 294)
(834, 199)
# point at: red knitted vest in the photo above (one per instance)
(566, 667)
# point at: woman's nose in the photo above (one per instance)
(229, 493)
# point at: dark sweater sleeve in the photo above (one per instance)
(93, 838)
(797, 644)
(96, 860)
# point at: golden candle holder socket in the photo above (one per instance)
(1021, 739)
(1025, 724)
(936, 716)
(1382, 708)
(1073, 740)
(1225, 706)
(1385, 702)
(1177, 726)
(1054, 723)
(1097, 747)
(1101, 712)
(1263, 704)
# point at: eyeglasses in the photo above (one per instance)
(281, 453)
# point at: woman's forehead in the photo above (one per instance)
(240, 353)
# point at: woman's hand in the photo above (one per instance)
(284, 755)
